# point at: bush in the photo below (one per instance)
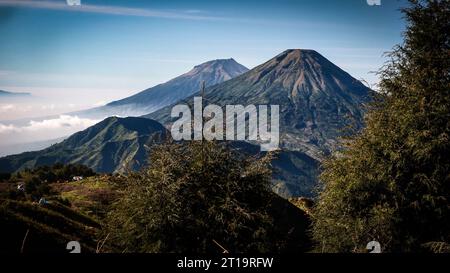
(392, 183)
(195, 198)
(55, 173)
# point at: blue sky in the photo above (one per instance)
(105, 50)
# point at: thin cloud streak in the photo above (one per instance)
(111, 10)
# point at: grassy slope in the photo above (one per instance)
(50, 227)
(90, 196)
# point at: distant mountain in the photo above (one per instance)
(317, 99)
(6, 94)
(114, 144)
(152, 99)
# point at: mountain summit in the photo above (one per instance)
(317, 99)
(212, 72)
(154, 98)
(216, 71)
(306, 72)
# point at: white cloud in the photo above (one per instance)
(33, 131)
(193, 11)
(112, 10)
(7, 107)
(7, 128)
(100, 103)
(48, 107)
(63, 121)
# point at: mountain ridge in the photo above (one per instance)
(317, 99)
(112, 145)
(156, 97)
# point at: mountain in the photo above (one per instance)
(152, 99)
(118, 144)
(317, 99)
(294, 173)
(6, 94)
(114, 144)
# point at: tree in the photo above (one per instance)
(391, 182)
(195, 197)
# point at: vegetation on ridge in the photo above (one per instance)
(391, 184)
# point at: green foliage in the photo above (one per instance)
(92, 195)
(36, 187)
(392, 182)
(55, 173)
(112, 145)
(37, 180)
(192, 196)
(234, 207)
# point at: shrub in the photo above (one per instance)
(193, 198)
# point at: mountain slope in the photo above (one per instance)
(115, 144)
(317, 99)
(152, 99)
(293, 173)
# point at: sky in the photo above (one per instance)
(77, 57)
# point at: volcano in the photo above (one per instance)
(317, 99)
(155, 98)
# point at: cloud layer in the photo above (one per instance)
(61, 126)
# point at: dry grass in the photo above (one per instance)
(91, 195)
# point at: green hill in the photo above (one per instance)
(115, 144)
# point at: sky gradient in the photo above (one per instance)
(130, 45)
(77, 57)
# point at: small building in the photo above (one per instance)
(21, 187)
(77, 178)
